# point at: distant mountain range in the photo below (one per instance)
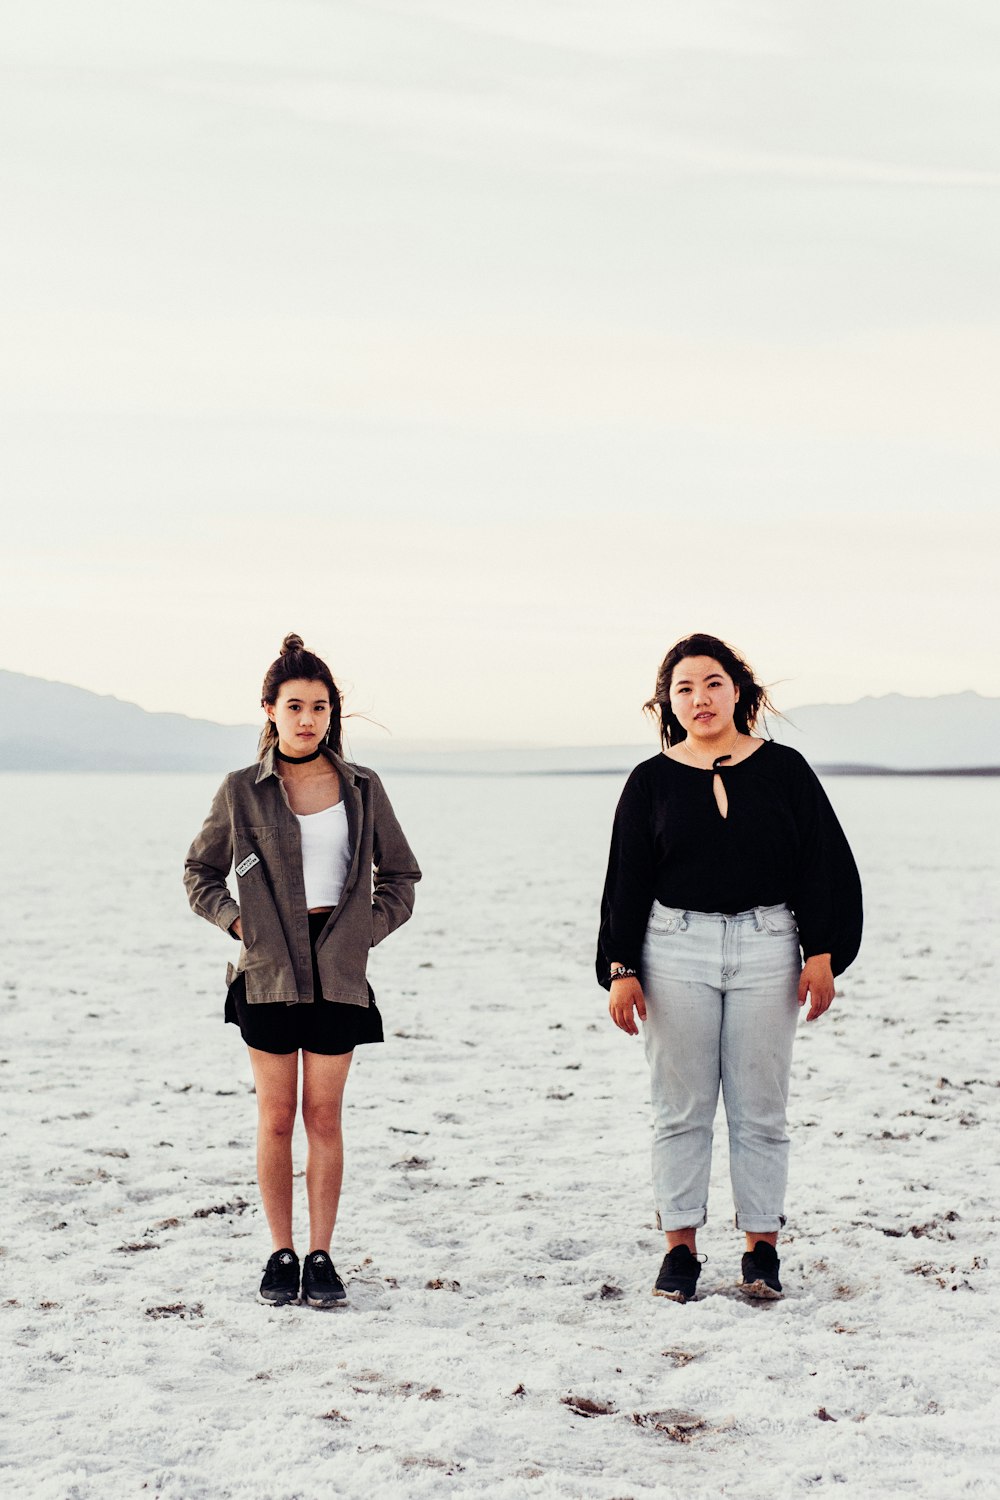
(51, 726)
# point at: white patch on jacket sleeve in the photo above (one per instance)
(247, 864)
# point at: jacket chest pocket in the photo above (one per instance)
(257, 854)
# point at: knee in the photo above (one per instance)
(763, 1129)
(322, 1122)
(682, 1109)
(759, 1110)
(276, 1120)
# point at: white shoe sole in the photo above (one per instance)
(760, 1291)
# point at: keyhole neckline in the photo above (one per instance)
(715, 770)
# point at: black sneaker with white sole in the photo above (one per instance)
(678, 1276)
(321, 1286)
(760, 1272)
(280, 1284)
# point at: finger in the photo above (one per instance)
(820, 1005)
(803, 987)
(640, 1006)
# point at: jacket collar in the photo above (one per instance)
(351, 774)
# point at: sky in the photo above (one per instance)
(493, 347)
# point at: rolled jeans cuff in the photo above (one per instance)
(693, 1218)
(760, 1223)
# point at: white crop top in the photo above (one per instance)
(326, 854)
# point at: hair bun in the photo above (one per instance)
(291, 643)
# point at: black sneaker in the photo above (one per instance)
(321, 1286)
(760, 1272)
(678, 1275)
(281, 1279)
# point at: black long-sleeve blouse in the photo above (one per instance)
(781, 841)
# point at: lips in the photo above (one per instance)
(703, 718)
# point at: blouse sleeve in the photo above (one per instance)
(827, 889)
(630, 882)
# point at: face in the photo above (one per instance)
(301, 715)
(703, 697)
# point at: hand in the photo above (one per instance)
(816, 982)
(627, 999)
(236, 928)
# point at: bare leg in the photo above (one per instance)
(768, 1238)
(276, 1076)
(323, 1081)
(687, 1237)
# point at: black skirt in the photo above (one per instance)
(328, 1027)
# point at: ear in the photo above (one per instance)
(269, 710)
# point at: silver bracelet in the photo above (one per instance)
(623, 974)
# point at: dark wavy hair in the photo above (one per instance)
(295, 661)
(750, 704)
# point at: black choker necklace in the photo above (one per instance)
(298, 760)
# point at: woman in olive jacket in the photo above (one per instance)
(323, 873)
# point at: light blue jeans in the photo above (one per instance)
(721, 1007)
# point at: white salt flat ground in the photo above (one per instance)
(497, 1181)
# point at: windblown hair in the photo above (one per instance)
(750, 704)
(294, 662)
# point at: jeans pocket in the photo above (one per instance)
(779, 922)
(664, 921)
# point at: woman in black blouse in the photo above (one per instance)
(731, 900)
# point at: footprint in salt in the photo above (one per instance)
(566, 1250)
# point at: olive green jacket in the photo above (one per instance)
(251, 824)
